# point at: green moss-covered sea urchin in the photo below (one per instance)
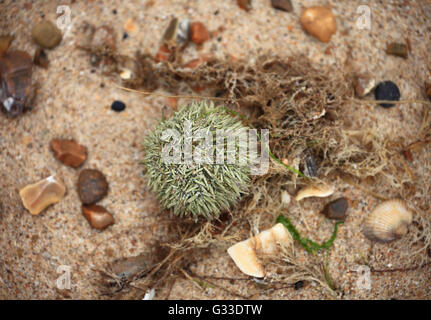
(189, 179)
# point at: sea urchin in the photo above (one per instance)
(183, 163)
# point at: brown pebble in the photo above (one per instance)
(284, 5)
(98, 217)
(37, 196)
(397, 49)
(40, 58)
(199, 33)
(46, 34)
(5, 42)
(92, 186)
(69, 152)
(336, 209)
(244, 4)
(363, 84)
(319, 22)
(428, 90)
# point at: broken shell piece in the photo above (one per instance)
(321, 190)
(244, 253)
(363, 84)
(177, 32)
(388, 221)
(36, 197)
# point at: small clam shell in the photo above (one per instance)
(244, 253)
(388, 221)
(320, 190)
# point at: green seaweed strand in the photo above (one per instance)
(308, 244)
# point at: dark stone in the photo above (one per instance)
(285, 5)
(118, 106)
(387, 90)
(298, 285)
(92, 186)
(336, 209)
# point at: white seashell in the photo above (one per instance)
(320, 190)
(388, 221)
(244, 253)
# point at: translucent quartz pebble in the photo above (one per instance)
(37, 196)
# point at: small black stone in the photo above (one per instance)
(298, 285)
(114, 11)
(387, 90)
(118, 106)
(125, 35)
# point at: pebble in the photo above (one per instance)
(98, 217)
(16, 91)
(397, 49)
(387, 90)
(336, 210)
(363, 84)
(37, 196)
(428, 90)
(284, 5)
(298, 285)
(244, 4)
(46, 34)
(92, 186)
(5, 42)
(69, 152)
(118, 106)
(319, 22)
(199, 33)
(40, 58)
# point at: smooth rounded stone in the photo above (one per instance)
(37, 196)
(69, 152)
(198, 33)
(118, 106)
(97, 216)
(244, 4)
(46, 34)
(387, 90)
(319, 22)
(92, 186)
(336, 210)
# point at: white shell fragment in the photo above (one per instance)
(388, 221)
(319, 190)
(244, 253)
(37, 196)
(285, 198)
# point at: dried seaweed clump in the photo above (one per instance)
(188, 185)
